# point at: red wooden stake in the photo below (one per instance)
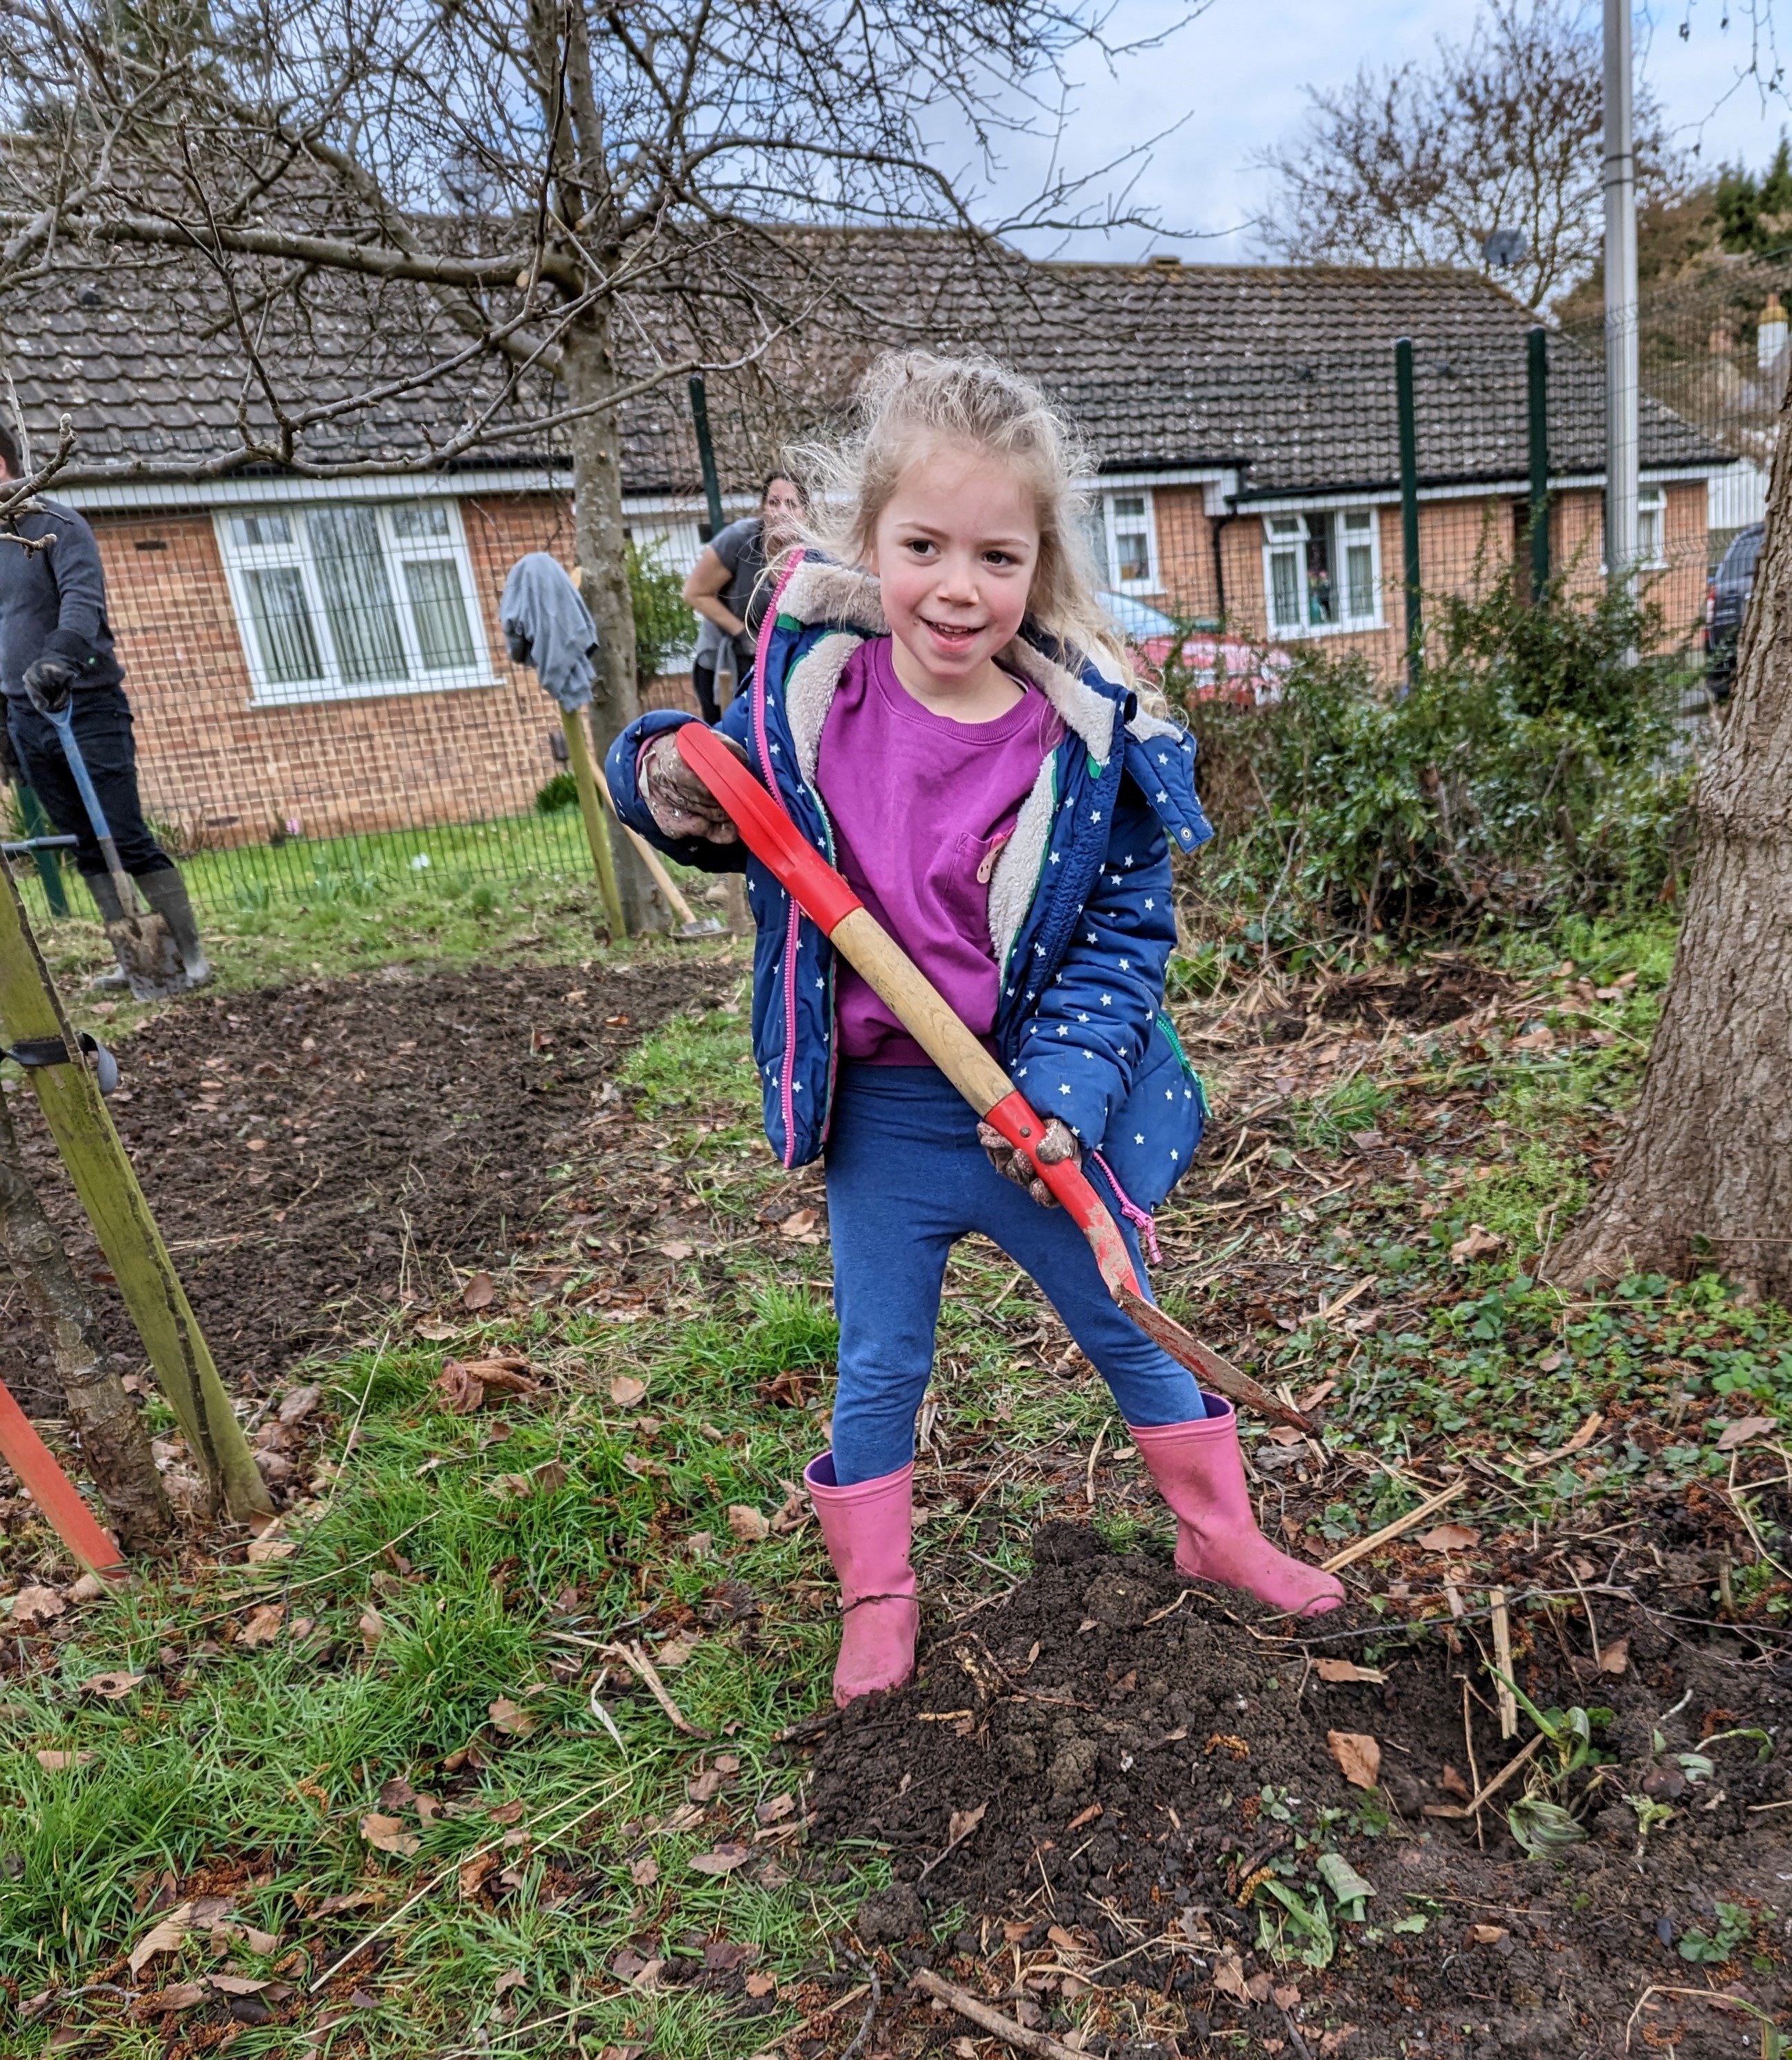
(55, 1493)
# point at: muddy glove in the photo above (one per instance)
(48, 684)
(678, 799)
(1055, 1147)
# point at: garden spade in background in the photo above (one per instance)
(146, 947)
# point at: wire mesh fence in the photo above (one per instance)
(325, 709)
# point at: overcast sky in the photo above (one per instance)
(1239, 70)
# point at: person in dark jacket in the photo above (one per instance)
(55, 648)
(728, 587)
(920, 710)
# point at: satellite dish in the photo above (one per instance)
(1501, 248)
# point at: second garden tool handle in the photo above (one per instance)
(62, 720)
(930, 1019)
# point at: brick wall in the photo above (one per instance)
(233, 773)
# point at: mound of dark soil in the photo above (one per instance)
(1143, 1753)
(312, 1151)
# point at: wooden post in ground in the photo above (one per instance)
(578, 754)
(106, 1182)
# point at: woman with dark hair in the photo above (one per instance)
(727, 587)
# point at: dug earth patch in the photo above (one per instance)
(1147, 1785)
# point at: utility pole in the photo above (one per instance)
(1622, 394)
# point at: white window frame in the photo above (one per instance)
(1290, 532)
(240, 559)
(1111, 525)
(1651, 499)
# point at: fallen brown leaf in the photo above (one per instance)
(1358, 1755)
(627, 1391)
(704, 1787)
(163, 1937)
(372, 1626)
(514, 1722)
(387, 1834)
(164, 2002)
(263, 1625)
(472, 1875)
(238, 1985)
(1452, 1783)
(480, 1292)
(1333, 2041)
(1485, 1935)
(35, 1604)
(264, 1552)
(1346, 1670)
(761, 1984)
(725, 1859)
(797, 1223)
(777, 1809)
(963, 1822)
(747, 1524)
(1084, 1816)
(1449, 1538)
(1615, 1657)
(1478, 1243)
(1228, 1976)
(114, 1687)
(1739, 1433)
(645, 1871)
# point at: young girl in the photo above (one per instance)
(922, 707)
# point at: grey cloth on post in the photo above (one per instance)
(547, 625)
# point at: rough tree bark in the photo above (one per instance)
(104, 1419)
(1704, 1174)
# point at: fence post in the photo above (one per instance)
(1409, 507)
(596, 830)
(106, 1182)
(1537, 379)
(49, 865)
(706, 453)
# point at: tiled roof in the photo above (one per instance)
(1287, 371)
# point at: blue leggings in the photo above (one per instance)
(906, 1178)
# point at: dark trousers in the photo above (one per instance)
(703, 681)
(102, 730)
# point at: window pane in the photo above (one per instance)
(1128, 507)
(1359, 569)
(261, 528)
(420, 518)
(283, 631)
(1133, 554)
(357, 596)
(1322, 595)
(1284, 589)
(1359, 518)
(433, 585)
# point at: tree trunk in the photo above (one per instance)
(588, 373)
(104, 1419)
(1704, 1174)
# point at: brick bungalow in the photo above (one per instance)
(313, 655)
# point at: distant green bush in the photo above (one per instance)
(561, 791)
(664, 624)
(1533, 770)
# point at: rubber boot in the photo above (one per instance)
(867, 1530)
(1200, 1472)
(165, 893)
(105, 900)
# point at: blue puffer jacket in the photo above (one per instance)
(1080, 915)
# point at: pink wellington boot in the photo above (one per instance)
(867, 1529)
(1200, 1472)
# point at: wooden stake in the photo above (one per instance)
(1398, 1528)
(106, 1182)
(596, 831)
(1503, 1659)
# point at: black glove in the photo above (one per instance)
(49, 683)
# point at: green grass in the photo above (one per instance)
(333, 907)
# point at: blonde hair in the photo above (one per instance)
(911, 400)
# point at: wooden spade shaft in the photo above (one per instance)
(931, 1020)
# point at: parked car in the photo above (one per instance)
(1219, 665)
(1726, 600)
